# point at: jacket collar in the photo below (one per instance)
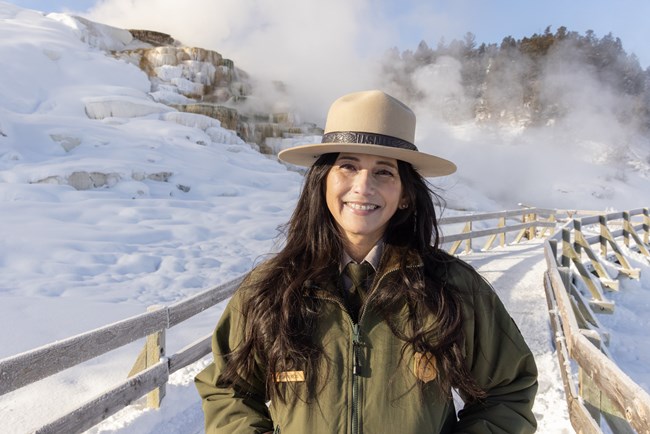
(389, 262)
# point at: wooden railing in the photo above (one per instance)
(29, 367)
(576, 291)
(527, 227)
(153, 366)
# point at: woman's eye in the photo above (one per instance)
(384, 172)
(347, 167)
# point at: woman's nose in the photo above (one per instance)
(363, 182)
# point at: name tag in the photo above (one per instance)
(289, 376)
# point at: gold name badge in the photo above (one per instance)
(425, 367)
(289, 376)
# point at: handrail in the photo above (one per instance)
(604, 388)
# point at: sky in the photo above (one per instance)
(410, 21)
(186, 205)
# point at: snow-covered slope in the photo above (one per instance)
(109, 197)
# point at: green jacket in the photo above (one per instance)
(382, 396)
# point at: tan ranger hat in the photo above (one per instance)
(370, 122)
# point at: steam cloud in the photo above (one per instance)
(322, 50)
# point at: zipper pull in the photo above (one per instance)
(356, 343)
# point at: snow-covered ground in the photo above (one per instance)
(102, 217)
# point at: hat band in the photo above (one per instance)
(367, 139)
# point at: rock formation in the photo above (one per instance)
(200, 81)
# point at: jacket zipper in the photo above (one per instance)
(277, 429)
(356, 347)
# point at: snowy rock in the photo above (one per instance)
(67, 142)
(228, 117)
(88, 180)
(97, 35)
(152, 37)
(121, 106)
(160, 176)
(221, 135)
(191, 120)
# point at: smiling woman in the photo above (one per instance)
(362, 194)
(361, 323)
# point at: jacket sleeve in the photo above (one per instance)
(232, 409)
(503, 365)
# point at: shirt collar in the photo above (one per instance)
(373, 257)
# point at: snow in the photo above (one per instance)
(111, 201)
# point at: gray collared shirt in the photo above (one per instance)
(373, 257)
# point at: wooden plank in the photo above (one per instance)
(625, 265)
(23, 369)
(614, 216)
(631, 231)
(588, 313)
(182, 310)
(627, 397)
(155, 348)
(578, 413)
(646, 226)
(487, 232)
(591, 220)
(604, 276)
(638, 211)
(109, 403)
(551, 219)
(490, 241)
(569, 323)
(544, 212)
(569, 254)
(594, 239)
(190, 354)
(482, 216)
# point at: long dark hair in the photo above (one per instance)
(280, 318)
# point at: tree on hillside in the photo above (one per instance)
(505, 80)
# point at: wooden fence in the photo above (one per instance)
(29, 367)
(153, 366)
(577, 282)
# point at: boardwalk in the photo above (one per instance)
(516, 272)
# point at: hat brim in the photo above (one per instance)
(427, 165)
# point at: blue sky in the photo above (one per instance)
(490, 21)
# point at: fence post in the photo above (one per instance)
(626, 228)
(533, 229)
(603, 235)
(154, 349)
(468, 242)
(577, 227)
(566, 251)
(646, 225)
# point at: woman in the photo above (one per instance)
(335, 350)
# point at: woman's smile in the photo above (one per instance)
(361, 206)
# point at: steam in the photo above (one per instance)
(589, 148)
(586, 151)
(319, 49)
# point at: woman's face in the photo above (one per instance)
(362, 193)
